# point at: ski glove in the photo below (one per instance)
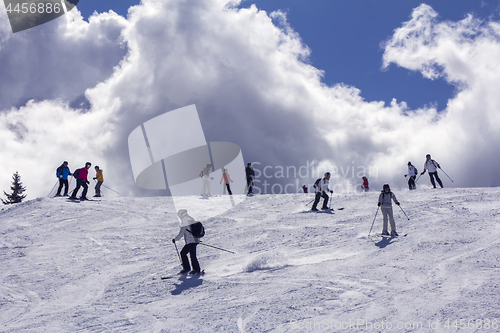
(331, 191)
(87, 182)
(173, 240)
(422, 173)
(397, 203)
(379, 204)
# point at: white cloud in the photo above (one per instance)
(252, 85)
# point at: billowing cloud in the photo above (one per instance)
(247, 72)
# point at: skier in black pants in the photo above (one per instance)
(432, 166)
(81, 181)
(191, 243)
(321, 191)
(412, 173)
(62, 174)
(250, 176)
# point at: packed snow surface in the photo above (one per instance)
(96, 266)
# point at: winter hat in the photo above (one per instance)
(327, 174)
(409, 163)
(386, 186)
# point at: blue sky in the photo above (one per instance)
(345, 40)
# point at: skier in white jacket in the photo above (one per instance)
(191, 242)
(432, 166)
(205, 178)
(321, 191)
(412, 173)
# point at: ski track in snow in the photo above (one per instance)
(95, 266)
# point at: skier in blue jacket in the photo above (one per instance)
(62, 174)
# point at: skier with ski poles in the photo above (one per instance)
(412, 174)
(81, 181)
(62, 174)
(100, 179)
(432, 166)
(321, 188)
(186, 223)
(385, 204)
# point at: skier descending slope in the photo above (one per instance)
(384, 200)
(432, 166)
(321, 188)
(186, 222)
(412, 173)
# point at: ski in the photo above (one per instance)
(78, 200)
(167, 277)
(389, 236)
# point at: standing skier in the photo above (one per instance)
(304, 188)
(205, 177)
(226, 178)
(321, 189)
(384, 200)
(62, 174)
(250, 176)
(191, 242)
(365, 187)
(81, 181)
(432, 166)
(412, 174)
(100, 179)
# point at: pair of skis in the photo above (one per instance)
(168, 277)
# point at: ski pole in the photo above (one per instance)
(418, 178)
(331, 197)
(218, 248)
(404, 212)
(307, 204)
(178, 253)
(110, 189)
(53, 188)
(447, 175)
(373, 221)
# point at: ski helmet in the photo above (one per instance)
(327, 174)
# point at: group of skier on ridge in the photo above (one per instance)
(226, 178)
(62, 173)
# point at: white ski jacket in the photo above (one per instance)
(412, 171)
(323, 186)
(431, 166)
(186, 221)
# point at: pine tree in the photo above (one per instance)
(17, 191)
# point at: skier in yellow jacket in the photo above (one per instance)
(100, 179)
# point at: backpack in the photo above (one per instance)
(197, 230)
(316, 183)
(76, 173)
(59, 171)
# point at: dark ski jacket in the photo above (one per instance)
(250, 173)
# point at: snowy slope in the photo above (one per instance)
(94, 266)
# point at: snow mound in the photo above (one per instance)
(96, 266)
